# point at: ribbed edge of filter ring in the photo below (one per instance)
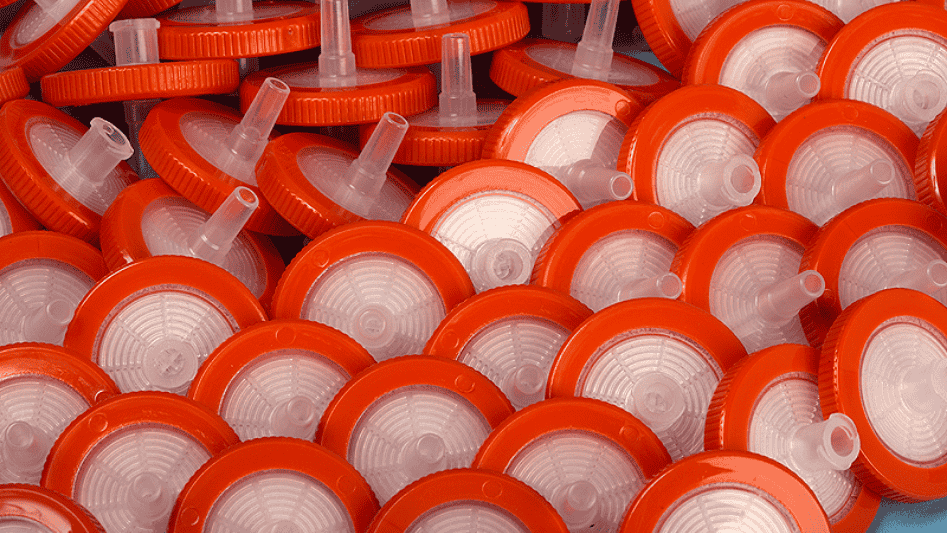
(256, 40)
(460, 147)
(111, 253)
(317, 110)
(654, 36)
(515, 81)
(713, 428)
(13, 84)
(923, 176)
(298, 213)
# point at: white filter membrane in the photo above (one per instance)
(849, 9)
(516, 353)
(896, 348)
(701, 140)
(207, 133)
(727, 508)
(465, 517)
(308, 78)
(157, 338)
(875, 75)
(826, 157)
(876, 260)
(324, 168)
(612, 373)
(382, 301)
(746, 269)
(785, 406)
(559, 56)
(36, 22)
(22, 525)
(556, 461)
(487, 114)
(261, 393)
(577, 136)
(489, 216)
(26, 286)
(162, 455)
(278, 501)
(412, 432)
(694, 15)
(48, 406)
(616, 260)
(208, 14)
(400, 19)
(6, 227)
(167, 225)
(51, 141)
(767, 51)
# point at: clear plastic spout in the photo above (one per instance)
(732, 182)
(780, 302)
(665, 285)
(593, 183)
(214, 238)
(928, 278)
(149, 499)
(25, 448)
(526, 386)
(48, 322)
(295, 418)
(500, 262)
(920, 98)
(862, 184)
(359, 188)
(657, 400)
(136, 41)
(786, 91)
(457, 101)
(593, 54)
(425, 455)
(924, 388)
(832, 444)
(336, 59)
(579, 506)
(563, 22)
(233, 10)
(95, 155)
(429, 12)
(244, 146)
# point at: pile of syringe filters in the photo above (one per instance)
(702, 299)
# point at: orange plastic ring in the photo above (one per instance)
(13, 84)
(929, 171)
(78, 254)
(81, 375)
(55, 512)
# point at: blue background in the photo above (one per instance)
(925, 517)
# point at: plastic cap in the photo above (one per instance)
(336, 60)
(429, 12)
(238, 154)
(593, 55)
(213, 239)
(457, 101)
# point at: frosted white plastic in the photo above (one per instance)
(457, 101)
(561, 56)
(82, 164)
(466, 517)
(429, 12)
(591, 182)
(34, 410)
(516, 353)
(233, 10)
(403, 19)
(336, 59)
(157, 339)
(619, 266)
(849, 9)
(278, 501)
(563, 22)
(10, 524)
(837, 167)
(892, 256)
(903, 72)
(382, 301)
(725, 507)
(412, 432)
(593, 54)
(281, 394)
(38, 18)
(167, 225)
(903, 381)
(786, 407)
(37, 300)
(775, 66)
(496, 235)
(694, 15)
(131, 478)
(589, 479)
(677, 379)
(577, 136)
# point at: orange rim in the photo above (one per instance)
(20, 218)
(832, 242)
(412, 92)
(929, 169)
(418, 248)
(13, 84)
(56, 512)
(555, 266)
(27, 245)
(215, 375)
(663, 33)
(28, 180)
(82, 376)
(840, 391)
(777, 149)
(695, 261)
(476, 313)
(503, 24)
(356, 396)
(257, 456)
(727, 469)
(139, 82)
(195, 178)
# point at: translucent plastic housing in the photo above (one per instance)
(16, 524)
(849, 9)
(496, 235)
(613, 267)
(278, 502)
(214, 238)
(412, 432)
(516, 354)
(903, 382)
(591, 182)
(706, 167)
(281, 394)
(578, 136)
(457, 101)
(136, 41)
(38, 298)
(694, 15)
(157, 339)
(588, 479)
(336, 59)
(561, 57)
(467, 517)
(403, 19)
(233, 10)
(725, 507)
(664, 380)
(429, 12)
(38, 18)
(35, 410)
(593, 54)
